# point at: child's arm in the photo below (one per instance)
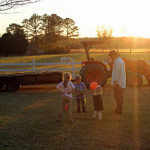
(83, 92)
(72, 86)
(59, 87)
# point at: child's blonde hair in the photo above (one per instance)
(66, 77)
(98, 90)
(77, 77)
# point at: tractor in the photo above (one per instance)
(97, 71)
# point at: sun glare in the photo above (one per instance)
(136, 118)
(126, 17)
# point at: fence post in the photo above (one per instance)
(73, 68)
(33, 65)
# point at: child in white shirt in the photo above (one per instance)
(66, 87)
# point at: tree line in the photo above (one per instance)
(46, 32)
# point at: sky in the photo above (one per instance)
(125, 17)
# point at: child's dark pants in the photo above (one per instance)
(80, 100)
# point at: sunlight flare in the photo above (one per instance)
(136, 119)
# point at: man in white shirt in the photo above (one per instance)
(118, 80)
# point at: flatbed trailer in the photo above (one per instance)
(13, 81)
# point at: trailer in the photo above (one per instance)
(13, 81)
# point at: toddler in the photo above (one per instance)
(80, 96)
(98, 103)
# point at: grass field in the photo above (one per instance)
(27, 117)
(27, 122)
(78, 57)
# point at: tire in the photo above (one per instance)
(134, 79)
(93, 73)
(12, 85)
(1, 86)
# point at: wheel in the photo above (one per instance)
(93, 73)
(12, 85)
(134, 79)
(1, 86)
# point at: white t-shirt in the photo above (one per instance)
(66, 91)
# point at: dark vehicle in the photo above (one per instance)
(12, 82)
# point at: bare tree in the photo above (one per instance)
(104, 33)
(9, 4)
(34, 24)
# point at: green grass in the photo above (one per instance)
(27, 122)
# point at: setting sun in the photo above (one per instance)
(126, 17)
